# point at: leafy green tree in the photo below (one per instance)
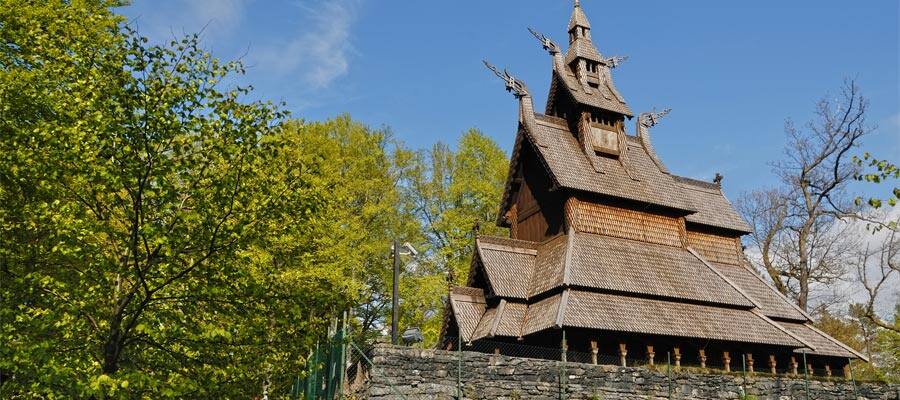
(359, 164)
(451, 192)
(136, 192)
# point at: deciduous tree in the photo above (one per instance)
(800, 225)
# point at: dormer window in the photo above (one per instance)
(604, 141)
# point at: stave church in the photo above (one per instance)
(612, 254)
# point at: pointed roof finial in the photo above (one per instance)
(578, 18)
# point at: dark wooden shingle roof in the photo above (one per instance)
(560, 150)
(651, 316)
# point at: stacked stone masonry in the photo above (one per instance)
(402, 372)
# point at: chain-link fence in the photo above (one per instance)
(668, 363)
(339, 368)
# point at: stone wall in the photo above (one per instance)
(432, 374)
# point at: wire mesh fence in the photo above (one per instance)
(340, 368)
(669, 364)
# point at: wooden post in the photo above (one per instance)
(772, 364)
(702, 359)
(650, 354)
(847, 374)
(623, 351)
(726, 359)
(793, 366)
(496, 351)
(677, 352)
(565, 347)
(750, 363)
(828, 370)
(594, 351)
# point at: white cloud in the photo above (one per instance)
(167, 20)
(319, 54)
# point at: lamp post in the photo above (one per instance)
(395, 298)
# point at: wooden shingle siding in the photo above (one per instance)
(549, 266)
(715, 248)
(608, 263)
(640, 315)
(541, 315)
(825, 345)
(772, 304)
(468, 306)
(713, 209)
(623, 223)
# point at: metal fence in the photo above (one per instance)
(339, 368)
(666, 363)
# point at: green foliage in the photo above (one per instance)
(155, 238)
(359, 165)
(455, 191)
(449, 192)
(858, 332)
(873, 170)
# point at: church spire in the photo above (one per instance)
(579, 27)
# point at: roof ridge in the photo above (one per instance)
(779, 294)
(497, 316)
(561, 311)
(762, 316)
(721, 275)
(502, 240)
(838, 342)
(567, 263)
(696, 182)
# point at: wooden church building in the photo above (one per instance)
(614, 252)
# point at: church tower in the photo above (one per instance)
(610, 247)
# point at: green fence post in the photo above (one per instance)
(342, 356)
(295, 388)
(376, 370)
(669, 372)
(563, 382)
(744, 374)
(311, 378)
(805, 374)
(459, 368)
(853, 381)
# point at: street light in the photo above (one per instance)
(395, 301)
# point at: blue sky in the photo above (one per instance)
(731, 71)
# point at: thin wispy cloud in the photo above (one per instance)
(319, 54)
(171, 19)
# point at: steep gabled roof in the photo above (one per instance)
(569, 166)
(578, 18)
(508, 264)
(549, 267)
(822, 343)
(582, 48)
(622, 265)
(771, 303)
(713, 208)
(605, 99)
(468, 306)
